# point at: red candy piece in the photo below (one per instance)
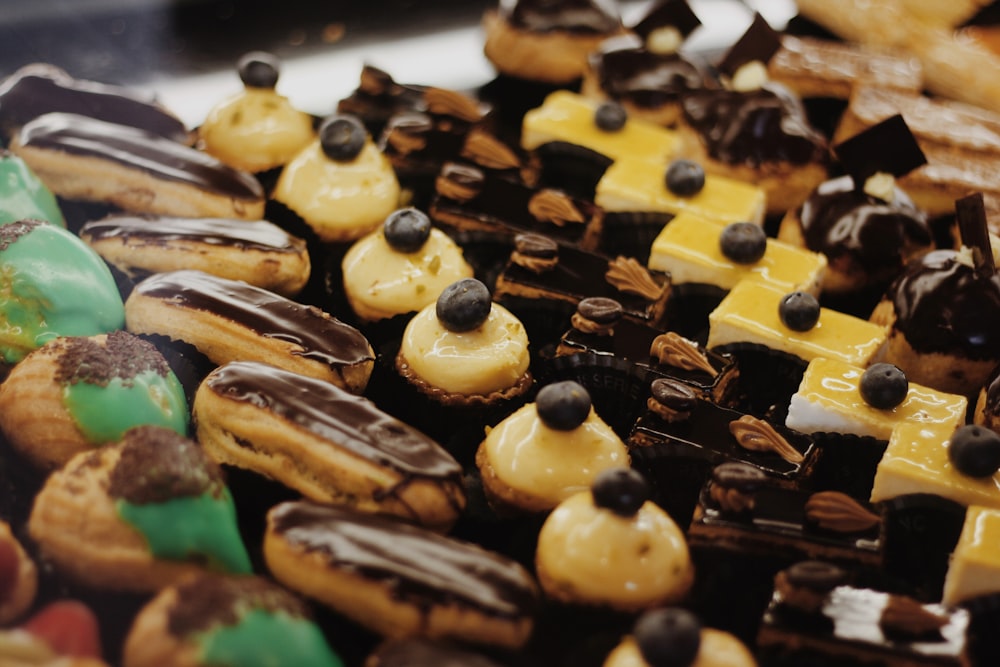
(68, 627)
(10, 569)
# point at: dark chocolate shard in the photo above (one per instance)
(759, 42)
(887, 147)
(971, 214)
(667, 13)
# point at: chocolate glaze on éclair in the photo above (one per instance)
(353, 422)
(414, 562)
(942, 305)
(755, 127)
(840, 219)
(137, 149)
(38, 89)
(321, 337)
(160, 230)
(583, 16)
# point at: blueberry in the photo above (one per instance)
(407, 229)
(669, 637)
(685, 178)
(258, 69)
(563, 405)
(799, 311)
(883, 386)
(621, 490)
(342, 137)
(464, 305)
(610, 117)
(975, 451)
(743, 242)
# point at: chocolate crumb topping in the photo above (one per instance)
(12, 231)
(905, 618)
(207, 601)
(121, 355)
(156, 465)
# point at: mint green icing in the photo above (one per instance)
(104, 413)
(264, 639)
(191, 528)
(23, 196)
(52, 284)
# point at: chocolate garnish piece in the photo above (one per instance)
(759, 436)
(577, 16)
(671, 399)
(408, 132)
(600, 309)
(446, 102)
(459, 182)
(905, 618)
(837, 511)
(674, 350)
(888, 147)
(548, 205)
(627, 275)
(759, 42)
(667, 13)
(971, 214)
(486, 150)
(805, 585)
(156, 465)
(734, 486)
(206, 602)
(535, 252)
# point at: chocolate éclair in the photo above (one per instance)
(398, 579)
(330, 445)
(230, 320)
(88, 159)
(256, 251)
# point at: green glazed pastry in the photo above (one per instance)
(23, 196)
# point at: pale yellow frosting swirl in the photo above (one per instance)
(548, 464)
(255, 130)
(490, 358)
(718, 649)
(339, 200)
(593, 556)
(381, 282)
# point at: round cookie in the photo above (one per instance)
(42, 303)
(340, 184)
(207, 620)
(547, 451)
(138, 515)
(609, 547)
(76, 393)
(257, 129)
(674, 637)
(254, 251)
(401, 267)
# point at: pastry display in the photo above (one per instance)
(510, 371)
(254, 251)
(258, 129)
(76, 393)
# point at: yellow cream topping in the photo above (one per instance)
(688, 249)
(547, 463)
(388, 282)
(604, 557)
(567, 116)
(339, 199)
(489, 358)
(916, 461)
(636, 185)
(749, 314)
(828, 399)
(717, 649)
(258, 127)
(974, 568)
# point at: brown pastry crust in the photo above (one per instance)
(25, 586)
(556, 57)
(150, 642)
(454, 398)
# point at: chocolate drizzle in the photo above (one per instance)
(629, 72)
(942, 305)
(318, 336)
(39, 89)
(842, 221)
(415, 564)
(354, 423)
(582, 16)
(207, 601)
(137, 149)
(754, 127)
(160, 230)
